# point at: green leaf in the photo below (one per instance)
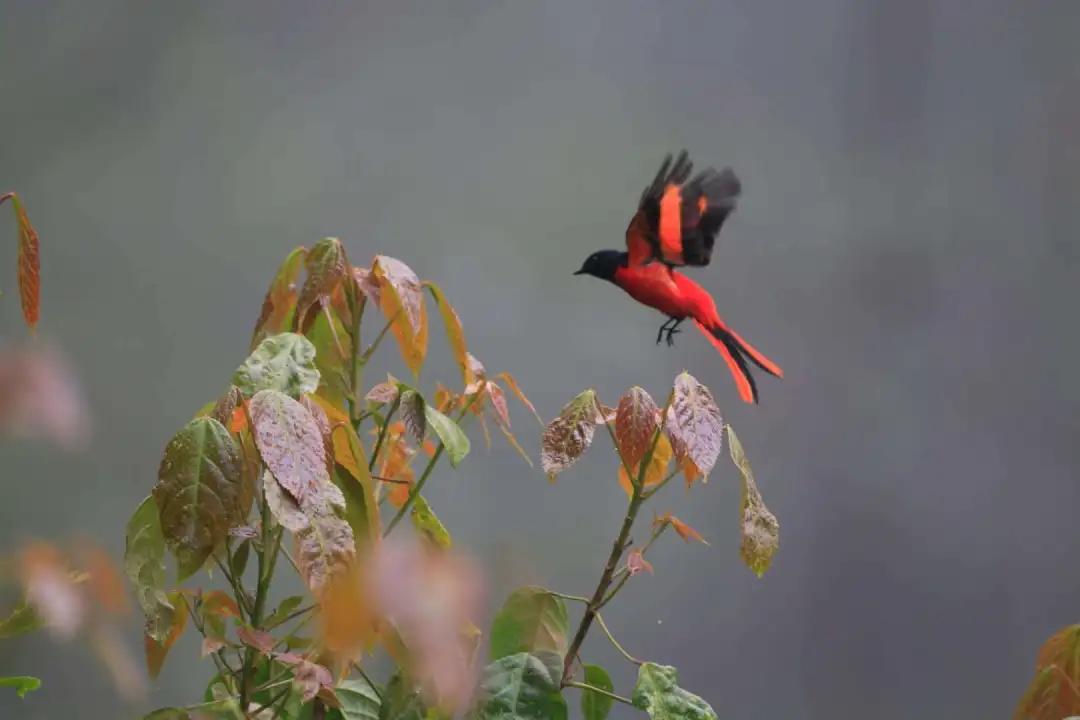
(144, 562)
(452, 437)
(23, 619)
(569, 435)
(284, 362)
(428, 525)
(197, 493)
(760, 528)
(359, 701)
(454, 332)
(532, 619)
(657, 693)
(279, 306)
(239, 560)
(331, 337)
(284, 609)
(522, 687)
(595, 706)
(22, 684)
(401, 701)
(694, 422)
(226, 708)
(292, 447)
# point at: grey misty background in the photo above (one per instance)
(906, 249)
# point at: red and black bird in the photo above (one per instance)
(675, 225)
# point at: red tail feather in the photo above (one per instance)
(743, 381)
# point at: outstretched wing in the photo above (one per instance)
(678, 219)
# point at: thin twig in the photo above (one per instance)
(290, 616)
(270, 701)
(598, 691)
(368, 680)
(564, 596)
(415, 491)
(620, 648)
(382, 433)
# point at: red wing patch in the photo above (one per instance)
(683, 216)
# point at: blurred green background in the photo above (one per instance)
(906, 249)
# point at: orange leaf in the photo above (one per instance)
(686, 532)
(520, 395)
(402, 301)
(399, 493)
(498, 402)
(1054, 692)
(655, 473)
(454, 332)
(346, 619)
(691, 471)
(29, 262)
(104, 582)
(157, 651)
(279, 305)
(444, 399)
(218, 603)
(636, 562)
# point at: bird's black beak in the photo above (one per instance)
(581, 271)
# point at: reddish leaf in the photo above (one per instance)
(655, 473)
(1054, 692)
(384, 392)
(520, 395)
(635, 425)
(104, 582)
(292, 447)
(29, 263)
(569, 435)
(211, 645)
(279, 306)
(454, 332)
(218, 603)
(402, 302)
(695, 422)
(258, 639)
(686, 532)
(605, 414)
(327, 266)
(40, 397)
(366, 284)
(498, 402)
(311, 678)
(156, 652)
(225, 409)
(637, 563)
(51, 589)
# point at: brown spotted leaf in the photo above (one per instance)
(29, 263)
(283, 506)
(226, 406)
(292, 447)
(412, 413)
(327, 267)
(635, 425)
(198, 491)
(324, 549)
(760, 528)
(384, 392)
(279, 306)
(695, 423)
(569, 435)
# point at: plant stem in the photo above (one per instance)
(382, 433)
(624, 574)
(290, 616)
(620, 648)
(415, 492)
(267, 559)
(234, 582)
(598, 691)
(617, 549)
(270, 701)
(368, 680)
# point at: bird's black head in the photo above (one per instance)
(602, 264)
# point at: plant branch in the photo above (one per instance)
(617, 550)
(234, 582)
(564, 596)
(270, 702)
(599, 691)
(382, 433)
(415, 492)
(368, 680)
(624, 573)
(358, 303)
(267, 559)
(378, 339)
